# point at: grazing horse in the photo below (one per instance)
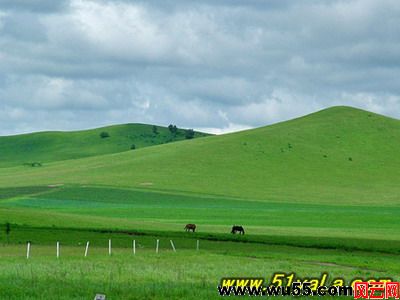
(236, 228)
(191, 227)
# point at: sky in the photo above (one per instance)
(213, 65)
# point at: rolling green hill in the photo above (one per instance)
(315, 194)
(340, 155)
(45, 147)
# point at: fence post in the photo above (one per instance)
(58, 249)
(109, 247)
(198, 245)
(134, 247)
(173, 246)
(28, 249)
(157, 245)
(87, 248)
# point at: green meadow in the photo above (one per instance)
(340, 155)
(186, 274)
(124, 209)
(45, 147)
(315, 194)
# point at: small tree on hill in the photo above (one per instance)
(104, 134)
(133, 147)
(155, 129)
(189, 134)
(173, 129)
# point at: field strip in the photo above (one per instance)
(331, 264)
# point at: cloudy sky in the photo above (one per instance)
(210, 65)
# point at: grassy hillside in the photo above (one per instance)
(45, 147)
(315, 194)
(339, 155)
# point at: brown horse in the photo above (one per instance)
(236, 228)
(190, 227)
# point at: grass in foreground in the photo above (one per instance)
(186, 274)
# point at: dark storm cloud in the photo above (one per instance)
(221, 65)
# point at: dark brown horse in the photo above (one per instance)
(190, 227)
(236, 228)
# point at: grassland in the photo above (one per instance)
(186, 274)
(131, 209)
(44, 147)
(340, 155)
(318, 193)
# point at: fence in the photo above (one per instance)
(86, 253)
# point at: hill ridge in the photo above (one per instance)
(49, 146)
(350, 155)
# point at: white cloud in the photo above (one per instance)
(228, 129)
(386, 104)
(280, 105)
(218, 65)
(119, 30)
